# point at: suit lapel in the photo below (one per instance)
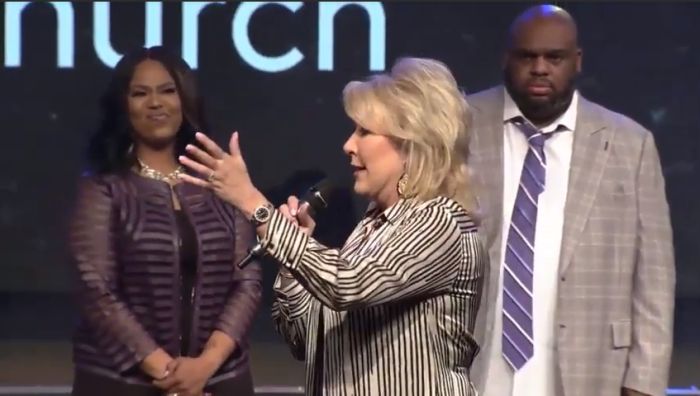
(487, 160)
(590, 153)
(487, 157)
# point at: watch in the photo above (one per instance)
(262, 214)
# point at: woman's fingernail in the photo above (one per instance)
(293, 212)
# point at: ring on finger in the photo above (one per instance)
(211, 177)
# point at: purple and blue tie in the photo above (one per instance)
(518, 345)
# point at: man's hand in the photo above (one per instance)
(187, 376)
(631, 392)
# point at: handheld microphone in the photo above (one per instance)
(316, 198)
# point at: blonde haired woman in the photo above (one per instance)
(392, 312)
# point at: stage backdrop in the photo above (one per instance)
(274, 71)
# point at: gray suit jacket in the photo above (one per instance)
(617, 273)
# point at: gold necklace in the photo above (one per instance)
(154, 174)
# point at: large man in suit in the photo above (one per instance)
(581, 293)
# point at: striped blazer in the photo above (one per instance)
(397, 303)
(124, 248)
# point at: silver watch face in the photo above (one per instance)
(262, 214)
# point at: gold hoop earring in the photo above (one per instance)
(401, 185)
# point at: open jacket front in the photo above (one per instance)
(125, 248)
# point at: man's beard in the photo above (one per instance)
(541, 111)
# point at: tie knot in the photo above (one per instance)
(537, 138)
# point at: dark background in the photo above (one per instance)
(640, 59)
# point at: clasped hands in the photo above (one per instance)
(185, 376)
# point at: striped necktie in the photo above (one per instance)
(517, 344)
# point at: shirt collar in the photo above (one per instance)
(391, 214)
(566, 120)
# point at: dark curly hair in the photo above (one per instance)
(108, 148)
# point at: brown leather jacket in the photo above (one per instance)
(124, 248)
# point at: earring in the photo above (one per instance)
(401, 185)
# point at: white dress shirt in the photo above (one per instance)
(537, 377)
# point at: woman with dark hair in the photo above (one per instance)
(164, 308)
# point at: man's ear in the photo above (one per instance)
(579, 60)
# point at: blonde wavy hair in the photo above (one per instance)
(420, 107)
